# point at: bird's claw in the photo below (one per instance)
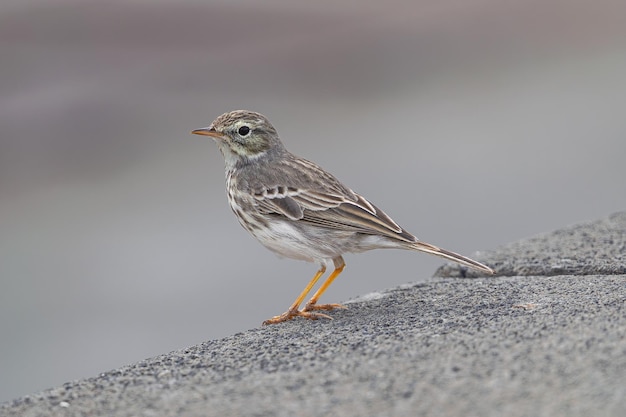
(291, 314)
(327, 307)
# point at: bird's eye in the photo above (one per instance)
(243, 130)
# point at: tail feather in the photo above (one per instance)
(434, 250)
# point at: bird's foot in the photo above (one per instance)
(291, 314)
(312, 307)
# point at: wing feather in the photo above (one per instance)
(320, 198)
(331, 211)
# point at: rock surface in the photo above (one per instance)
(545, 337)
(592, 248)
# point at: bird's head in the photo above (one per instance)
(242, 136)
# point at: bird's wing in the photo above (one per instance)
(325, 202)
(360, 216)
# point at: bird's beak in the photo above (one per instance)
(207, 131)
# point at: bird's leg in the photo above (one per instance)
(293, 310)
(312, 304)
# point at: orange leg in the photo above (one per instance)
(293, 310)
(312, 304)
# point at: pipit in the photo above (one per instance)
(298, 210)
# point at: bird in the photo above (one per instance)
(298, 210)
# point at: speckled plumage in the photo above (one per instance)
(297, 209)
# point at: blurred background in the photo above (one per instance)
(473, 123)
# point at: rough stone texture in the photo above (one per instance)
(545, 345)
(597, 247)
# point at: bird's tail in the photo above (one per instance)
(432, 249)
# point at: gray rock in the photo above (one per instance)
(544, 345)
(597, 247)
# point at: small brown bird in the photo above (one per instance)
(298, 210)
